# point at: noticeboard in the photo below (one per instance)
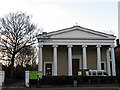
(33, 74)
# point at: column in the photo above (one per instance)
(40, 58)
(55, 60)
(84, 57)
(113, 61)
(98, 58)
(70, 60)
(108, 63)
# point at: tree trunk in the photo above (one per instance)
(12, 66)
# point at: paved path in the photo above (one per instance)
(64, 88)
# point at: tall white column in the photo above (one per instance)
(70, 60)
(108, 63)
(113, 61)
(84, 57)
(55, 60)
(98, 58)
(40, 58)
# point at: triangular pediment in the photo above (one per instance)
(79, 33)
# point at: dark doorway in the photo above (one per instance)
(48, 68)
(102, 66)
(75, 66)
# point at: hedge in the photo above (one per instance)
(65, 80)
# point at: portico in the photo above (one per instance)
(56, 53)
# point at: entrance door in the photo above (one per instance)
(75, 66)
(102, 66)
(48, 69)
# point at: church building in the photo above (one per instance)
(66, 51)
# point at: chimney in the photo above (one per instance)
(117, 42)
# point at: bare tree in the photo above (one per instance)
(17, 33)
(26, 56)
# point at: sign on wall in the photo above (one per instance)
(33, 74)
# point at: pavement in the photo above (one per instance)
(20, 86)
(64, 88)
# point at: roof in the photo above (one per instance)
(79, 27)
(82, 29)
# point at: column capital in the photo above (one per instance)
(98, 46)
(55, 46)
(84, 46)
(40, 46)
(70, 46)
(112, 46)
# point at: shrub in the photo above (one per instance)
(19, 72)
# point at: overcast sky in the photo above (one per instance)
(51, 15)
